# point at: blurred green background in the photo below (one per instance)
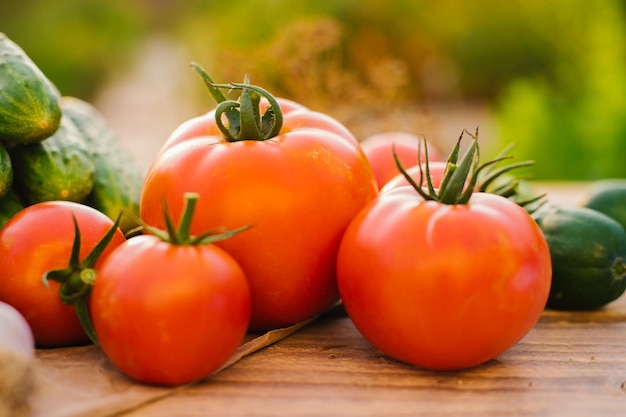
(549, 76)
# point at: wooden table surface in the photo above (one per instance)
(570, 364)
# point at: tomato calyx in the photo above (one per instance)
(244, 118)
(181, 235)
(465, 176)
(78, 277)
(492, 180)
(453, 188)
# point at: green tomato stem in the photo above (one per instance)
(82, 312)
(453, 193)
(181, 235)
(78, 277)
(252, 126)
(215, 92)
(452, 189)
(244, 118)
(464, 175)
(88, 276)
(184, 226)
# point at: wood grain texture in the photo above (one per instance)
(570, 364)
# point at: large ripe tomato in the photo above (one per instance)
(443, 286)
(298, 190)
(379, 150)
(169, 313)
(39, 239)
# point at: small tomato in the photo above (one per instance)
(436, 170)
(170, 309)
(379, 150)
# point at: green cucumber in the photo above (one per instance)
(609, 197)
(588, 253)
(10, 204)
(58, 168)
(6, 171)
(29, 103)
(118, 177)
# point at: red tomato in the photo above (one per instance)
(435, 168)
(169, 314)
(443, 287)
(299, 190)
(379, 151)
(39, 239)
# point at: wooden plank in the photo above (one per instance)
(82, 382)
(570, 364)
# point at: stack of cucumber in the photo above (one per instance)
(55, 147)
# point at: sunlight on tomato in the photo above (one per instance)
(436, 170)
(379, 150)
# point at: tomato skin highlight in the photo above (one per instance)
(379, 151)
(298, 191)
(443, 287)
(39, 239)
(167, 314)
(435, 168)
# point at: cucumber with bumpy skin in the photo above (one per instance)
(58, 168)
(118, 177)
(29, 103)
(10, 204)
(6, 171)
(608, 196)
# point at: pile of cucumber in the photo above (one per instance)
(55, 147)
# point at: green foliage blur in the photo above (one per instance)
(75, 43)
(553, 72)
(571, 117)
